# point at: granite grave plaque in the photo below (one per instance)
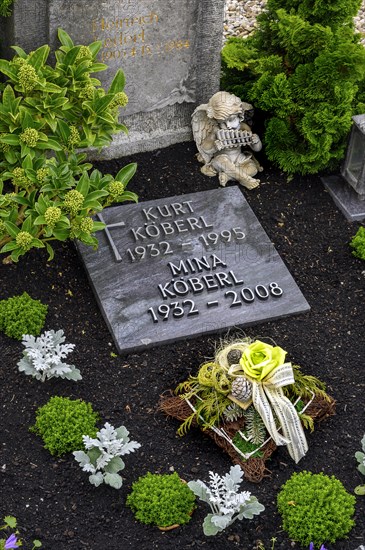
(169, 51)
(184, 266)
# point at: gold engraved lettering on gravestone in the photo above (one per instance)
(123, 39)
(105, 24)
(145, 50)
(113, 39)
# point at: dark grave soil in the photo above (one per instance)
(53, 499)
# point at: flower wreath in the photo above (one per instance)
(252, 381)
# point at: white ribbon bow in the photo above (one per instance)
(268, 396)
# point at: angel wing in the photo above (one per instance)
(204, 132)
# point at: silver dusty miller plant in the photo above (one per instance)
(42, 357)
(360, 457)
(102, 459)
(226, 503)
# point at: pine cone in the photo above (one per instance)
(234, 356)
(241, 388)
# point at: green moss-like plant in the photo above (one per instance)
(247, 447)
(22, 315)
(304, 68)
(161, 499)
(315, 508)
(358, 244)
(62, 422)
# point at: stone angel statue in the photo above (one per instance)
(222, 138)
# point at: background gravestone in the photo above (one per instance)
(168, 49)
(185, 266)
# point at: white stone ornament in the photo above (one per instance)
(222, 138)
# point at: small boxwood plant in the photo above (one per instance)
(161, 499)
(22, 315)
(357, 243)
(62, 422)
(315, 508)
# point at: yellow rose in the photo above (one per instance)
(259, 359)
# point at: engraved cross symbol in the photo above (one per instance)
(117, 256)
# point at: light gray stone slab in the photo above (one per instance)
(168, 49)
(159, 276)
(345, 198)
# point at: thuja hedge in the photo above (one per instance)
(304, 68)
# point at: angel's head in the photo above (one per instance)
(226, 109)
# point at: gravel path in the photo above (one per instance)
(240, 17)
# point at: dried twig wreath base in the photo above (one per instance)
(255, 467)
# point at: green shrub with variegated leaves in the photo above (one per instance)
(47, 113)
